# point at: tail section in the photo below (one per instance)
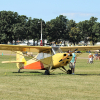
(20, 59)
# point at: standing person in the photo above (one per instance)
(96, 56)
(72, 63)
(90, 59)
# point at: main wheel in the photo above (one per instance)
(47, 72)
(69, 72)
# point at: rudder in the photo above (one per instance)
(21, 60)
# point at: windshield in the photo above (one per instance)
(56, 50)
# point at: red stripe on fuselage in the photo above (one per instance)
(35, 65)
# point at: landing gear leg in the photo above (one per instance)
(68, 71)
(18, 70)
(64, 68)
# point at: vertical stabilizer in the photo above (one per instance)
(21, 60)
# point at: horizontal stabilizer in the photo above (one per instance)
(12, 62)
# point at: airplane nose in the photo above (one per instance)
(66, 57)
(71, 54)
(67, 62)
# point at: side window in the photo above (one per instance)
(40, 56)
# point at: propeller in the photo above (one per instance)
(70, 54)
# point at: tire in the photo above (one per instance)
(47, 72)
(69, 72)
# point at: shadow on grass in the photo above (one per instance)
(17, 72)
(87, 74)
(28, 72)
(34, 73)
(78, 74)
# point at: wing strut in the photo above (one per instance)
(66, 71)
(63, 69)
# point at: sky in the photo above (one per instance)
(78, 10)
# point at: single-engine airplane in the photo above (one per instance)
(47, 58)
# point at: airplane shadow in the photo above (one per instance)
(28, 72)
(17, 72)
(78, 74)
(87, 74)
(42, 73)
(32, 73)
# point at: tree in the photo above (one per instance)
(92, 30)
(84, 30)
(96, 32)
(7, 21)
(22, 21)
(74, 35)
(56, 29)
(20, 27)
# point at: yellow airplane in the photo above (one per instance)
(47, 58)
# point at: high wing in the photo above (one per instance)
(80, 48)
(12, 62)
(37, 49)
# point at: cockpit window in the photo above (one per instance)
(44, 54)
(56, 50)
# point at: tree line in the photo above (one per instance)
(19, 27)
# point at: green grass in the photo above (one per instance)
(34, 85)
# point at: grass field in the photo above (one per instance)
(34, 85)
